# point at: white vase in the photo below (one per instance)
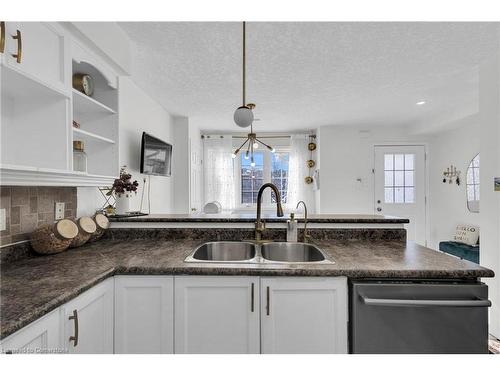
(122, 204)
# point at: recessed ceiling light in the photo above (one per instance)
(420, 103)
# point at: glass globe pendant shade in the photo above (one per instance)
(243, 116)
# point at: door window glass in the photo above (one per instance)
(399, 175)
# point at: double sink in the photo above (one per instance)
(249, 252)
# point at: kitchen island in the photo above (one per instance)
(33, 286)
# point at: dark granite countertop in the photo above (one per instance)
(34, 286)
(250, 218)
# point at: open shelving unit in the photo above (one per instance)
(34, 118)
(85, 135)
(87, 105)
(98, 120)
(39, 105)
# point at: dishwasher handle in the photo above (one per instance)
(424, 302)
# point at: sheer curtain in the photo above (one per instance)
(297, 188)
(218, 170)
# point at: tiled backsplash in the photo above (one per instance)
(28, 207)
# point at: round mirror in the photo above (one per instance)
(473, 185)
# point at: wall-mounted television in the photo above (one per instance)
(156, 156)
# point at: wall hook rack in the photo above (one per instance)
(451, 174)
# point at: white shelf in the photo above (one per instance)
(22, 85)
(18, 175)
(90, 136)
(83, 104)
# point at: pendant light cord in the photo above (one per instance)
(244, 62)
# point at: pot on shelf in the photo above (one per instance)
(122, 204)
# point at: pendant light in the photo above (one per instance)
(243, 117)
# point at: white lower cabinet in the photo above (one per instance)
(217, 314)
(144, 318)
(88, 320)
(212, 314)
(304, 315)
(41, 336)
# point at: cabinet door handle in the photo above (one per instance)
(252, 298)
(268, 300)
(18, 55)
(74, 317)
(2, 37)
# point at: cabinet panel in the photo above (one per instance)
(43, 49)
(41, 336)
(304, 315)
(144, 320)
(94, 309)
(213, 314)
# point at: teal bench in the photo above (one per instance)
(460, 250)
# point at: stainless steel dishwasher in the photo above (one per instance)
(418, 317)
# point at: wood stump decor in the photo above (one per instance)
(86, 227)
(54, 238)
(102, 224)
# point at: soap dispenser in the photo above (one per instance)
(291, 229)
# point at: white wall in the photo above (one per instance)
(196, 188)
(448, 203)
(180, 164)
(489, 112)
(138, 113)
(346, 154)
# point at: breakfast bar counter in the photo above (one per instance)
(34, 285)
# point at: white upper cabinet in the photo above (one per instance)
(88, 321)
(144, 319)
(39, 106)
(38, 49)
(304, 315)
(41, 336)
(217, 314)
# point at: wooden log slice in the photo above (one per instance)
(86, 227)
(102, 224)
(53, 238)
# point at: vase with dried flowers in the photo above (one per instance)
(123, 188)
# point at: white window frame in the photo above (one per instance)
(266, 197)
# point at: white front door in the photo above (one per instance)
(400, 188)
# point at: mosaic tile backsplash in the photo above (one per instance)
(28, 207)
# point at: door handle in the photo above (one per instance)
(74, 338)
(18, 55)
(425, 302)
(268, 300)
(252, 298)
(379, 209)
(2, 37)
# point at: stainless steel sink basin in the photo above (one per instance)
(249, 252)
(293, 252)
(223, 251)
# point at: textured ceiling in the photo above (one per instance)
(304, 75)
